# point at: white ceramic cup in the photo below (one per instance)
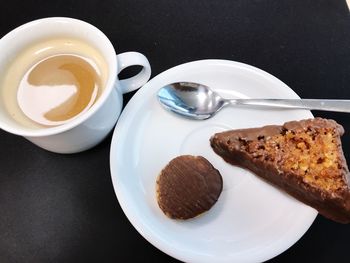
(90, 128)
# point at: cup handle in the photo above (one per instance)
(132, 58)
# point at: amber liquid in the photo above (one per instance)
(52, 82)
(58, 88)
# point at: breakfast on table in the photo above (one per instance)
(61, 78)
(63, 93)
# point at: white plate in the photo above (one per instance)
(252, 221)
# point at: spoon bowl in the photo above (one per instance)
(191, 100)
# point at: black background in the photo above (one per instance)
(62, 208)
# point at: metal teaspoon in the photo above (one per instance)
(197, 101)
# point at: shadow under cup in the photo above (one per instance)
(85, 130)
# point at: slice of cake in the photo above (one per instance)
(303, 158)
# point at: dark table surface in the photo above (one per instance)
(62, 208)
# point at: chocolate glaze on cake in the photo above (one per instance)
(303, 158)
(188, 186)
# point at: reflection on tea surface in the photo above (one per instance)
(52, 82)
(58, 88)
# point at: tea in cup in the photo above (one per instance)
(59, 84)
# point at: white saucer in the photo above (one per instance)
(252, 221)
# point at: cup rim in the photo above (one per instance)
(112, 75)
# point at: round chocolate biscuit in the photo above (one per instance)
(188, 186)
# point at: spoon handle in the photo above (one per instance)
(310, 104)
